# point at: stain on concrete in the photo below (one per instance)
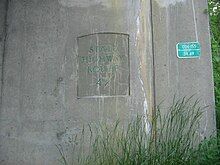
(166, 3)
(84, 3)
(143, 74)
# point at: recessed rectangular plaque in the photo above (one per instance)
(103, 65)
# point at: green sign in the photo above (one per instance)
(188, 50)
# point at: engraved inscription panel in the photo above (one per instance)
(103, 65)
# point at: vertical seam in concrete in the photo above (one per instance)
(4, 49)
(153, 133)
(153, 58)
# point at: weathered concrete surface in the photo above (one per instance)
(39, 105)
(183, 21)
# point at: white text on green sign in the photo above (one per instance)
(188, 50)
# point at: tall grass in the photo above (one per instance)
(176, 140)
(214, 15)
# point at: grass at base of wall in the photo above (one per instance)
(176, 142)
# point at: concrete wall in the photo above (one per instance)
(38, 50)
(183, 21)
(39, 98)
